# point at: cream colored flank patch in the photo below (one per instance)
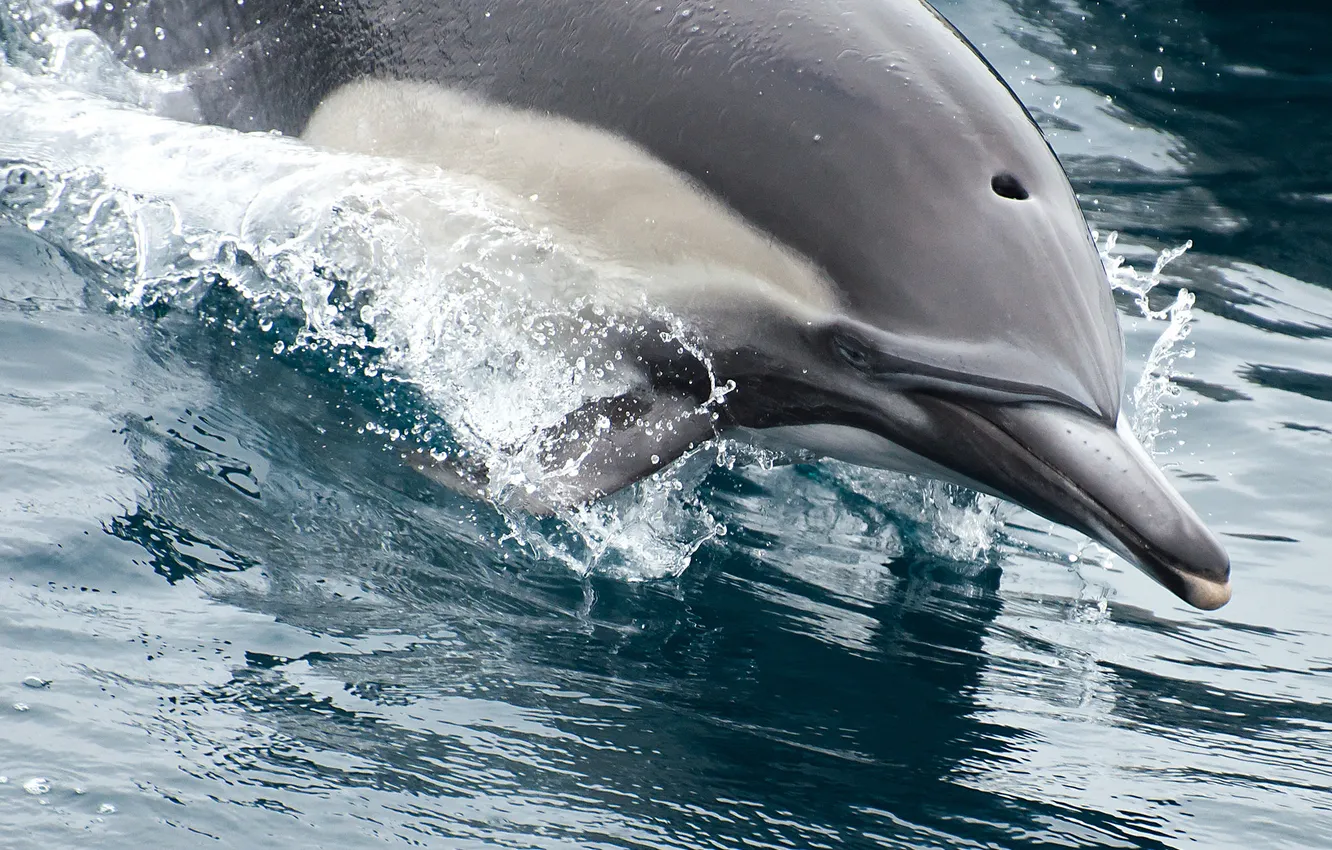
(612, 198)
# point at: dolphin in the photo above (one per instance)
(878, 252)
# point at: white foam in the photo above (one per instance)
(1155, 397)
(469, 300)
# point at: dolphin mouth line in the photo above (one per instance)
(1199, 591)
(921, 368)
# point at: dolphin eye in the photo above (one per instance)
(856, 353)
(1008, 186)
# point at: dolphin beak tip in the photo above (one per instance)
(1203, 593)
(1095, 476)
(1205, 582)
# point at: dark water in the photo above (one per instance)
(233, 618)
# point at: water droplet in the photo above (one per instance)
(1159, 73)
(106, 809)
(37, 785)
(1058, 101)
(656, 458)
(36, 682)
(818, 137)
(139, 52)
(160, 33)
(20, 706)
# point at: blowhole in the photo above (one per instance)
(1007, 186)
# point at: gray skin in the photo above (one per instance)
(972, 329)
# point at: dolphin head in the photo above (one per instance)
(994, 360)
(973, 333)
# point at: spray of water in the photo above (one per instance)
(1154, 399)
(398, 274)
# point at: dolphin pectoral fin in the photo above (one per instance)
(597, 449)
(609, 443)
(1081, 471)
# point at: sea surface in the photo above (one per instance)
(232, 616)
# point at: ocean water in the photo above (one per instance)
(233, 617)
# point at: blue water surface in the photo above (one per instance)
(234, 618)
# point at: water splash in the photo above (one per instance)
(37, 39)
(1155, 397)
(391, 273)
(945, 520)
